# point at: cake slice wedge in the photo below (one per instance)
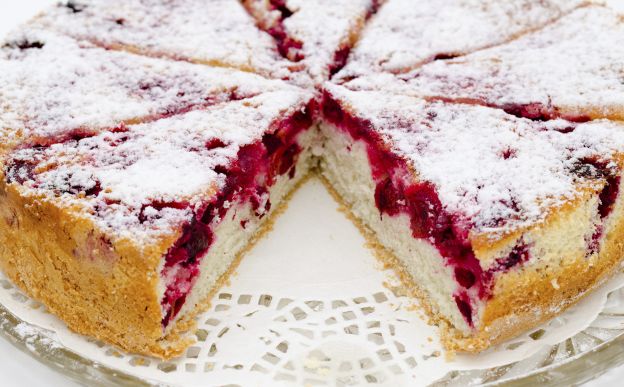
(125, 234)
(571, 69)
(406, 34)
(212, 32)
(53, 87)
(497, 223)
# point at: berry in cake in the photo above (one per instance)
(214, 32)
(295, 25)
(406, 33)
(478, 206)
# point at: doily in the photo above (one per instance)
(310, 305)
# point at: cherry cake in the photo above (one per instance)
(146, 144)
(496, 222)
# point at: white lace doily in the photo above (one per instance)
(311, 306)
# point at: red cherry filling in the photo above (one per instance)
(428, 218)
(340, 60)
(593, 168)
(539, 112)
(287, 46)
(20, 171)
(463, 302)
(248, 180)
(280, 6)
(608, 196)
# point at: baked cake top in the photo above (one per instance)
(214, 32)
(317, 33)
(144, 180)
(407, 33)
(52, 86)
(571, 68)
(496, 172)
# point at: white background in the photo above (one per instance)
(20, 369)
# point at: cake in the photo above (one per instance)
(497, 222)
(527, 76)
(215, 33)
(145, 145)
(119, 170)
(406, 34)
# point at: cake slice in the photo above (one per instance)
(316, 33)
(408, 33)
(53, 87)
(496, 222)
(127, 180)
(571, 69)
(127, 233)
(213, 32)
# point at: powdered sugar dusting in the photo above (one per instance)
(497, 171)
(406, 33)
(147, 179)
(572, 68)
(51, 85)
(322, 26)
(216, 32)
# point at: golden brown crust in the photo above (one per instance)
(98, 288)
(529, 297)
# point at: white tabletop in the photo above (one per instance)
(20, 369)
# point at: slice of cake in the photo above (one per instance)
(497, 223)
(572, 69)
(213, 32)
(52, 86)
(407, 33)
(126, 234)
(316, 33)
(126, 181)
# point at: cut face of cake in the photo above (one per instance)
(54, 87)
(571, 68)
(404, 34)
(294, 24)
(496, 222)
(214, 32)
(143, 222)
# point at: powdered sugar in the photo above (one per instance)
(215, 32)
(58, 85)
(163, 167)
(322, 26)
(495, 171)
(572, 68)
(406, 33)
